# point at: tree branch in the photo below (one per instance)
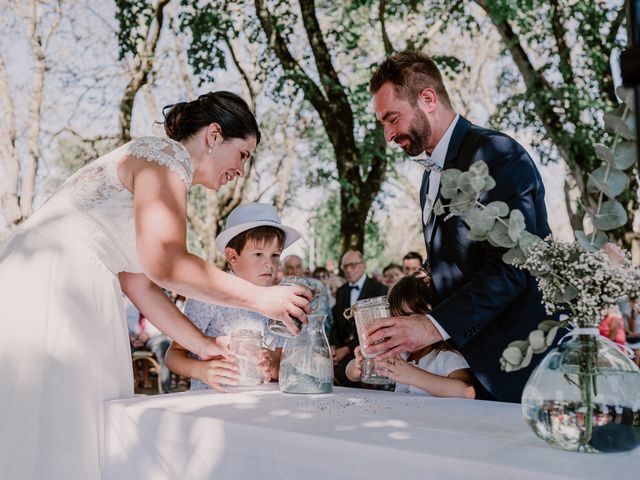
(312, 92)
(559, 33)
(388, 47)
(328, 76)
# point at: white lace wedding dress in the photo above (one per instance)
(64, 346)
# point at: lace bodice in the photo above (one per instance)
(95, 210)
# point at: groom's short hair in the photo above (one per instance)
(410, 72)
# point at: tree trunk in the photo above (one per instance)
(9, 201)
(142, 66)
(30, 165)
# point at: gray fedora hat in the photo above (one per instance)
(250, 215)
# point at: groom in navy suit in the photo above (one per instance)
(483, 303)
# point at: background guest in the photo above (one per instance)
(411, 263)
(344, 338)
(391, 274)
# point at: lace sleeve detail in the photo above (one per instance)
(165, 152)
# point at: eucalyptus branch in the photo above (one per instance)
(607, 173)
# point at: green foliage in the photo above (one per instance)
(132, 17)
(324, 228)
(610, 179)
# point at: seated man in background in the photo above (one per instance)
(344, 337)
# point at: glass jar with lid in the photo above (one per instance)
(365, 312)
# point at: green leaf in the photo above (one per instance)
(527, 358)
(514, 256)
(521, 344)
(612, 215)
(438, 209)
(448, 192)
(513, 355)
(627, 129)
(604, 153)
(462, 203)
(625, 95)
(479, 168)
(499, 236)
(527, 240)
(591, 245)
(489, 183)
(613, 119)
(450, 178)
(477, 183)
(480, 221)
(516, 224)
(501, 209)
(552, 335)
(537, 342)
(474, 237)
(625, 155)
(614, 184)
(547, 325)
(568, 294)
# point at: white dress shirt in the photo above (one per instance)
(355, 292)
(438, 156)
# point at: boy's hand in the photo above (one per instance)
(269, 363)
(219, 370)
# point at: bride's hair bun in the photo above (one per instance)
(174, 120)
(184, 119)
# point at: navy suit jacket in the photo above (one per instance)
(483, 303)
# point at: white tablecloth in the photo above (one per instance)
(263, 434)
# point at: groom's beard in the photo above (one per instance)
(418, 135)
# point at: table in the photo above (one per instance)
(260, 433)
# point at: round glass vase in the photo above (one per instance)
(585, 396)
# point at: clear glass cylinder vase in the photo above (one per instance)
(585, 396)
(306, 365)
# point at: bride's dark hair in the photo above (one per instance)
(184, 119)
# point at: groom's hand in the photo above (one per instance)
(400, 334)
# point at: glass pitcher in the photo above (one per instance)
(306, 365)
(279, 328)
(365, 312)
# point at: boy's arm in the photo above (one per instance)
(178, 361)
(214, 372)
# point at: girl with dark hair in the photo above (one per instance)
(118, 225)
(437, 369)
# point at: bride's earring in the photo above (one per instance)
(210, 150)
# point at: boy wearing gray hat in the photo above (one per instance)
(253, 240)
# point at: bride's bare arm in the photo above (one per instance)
(161, 311)
(160, 202)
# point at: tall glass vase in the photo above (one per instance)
(585, 396)
(306, 365)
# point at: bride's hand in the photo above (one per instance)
(283, 302)
(215, 347)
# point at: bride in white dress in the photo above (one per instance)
(117, 225)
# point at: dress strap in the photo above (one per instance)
(165, 152)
